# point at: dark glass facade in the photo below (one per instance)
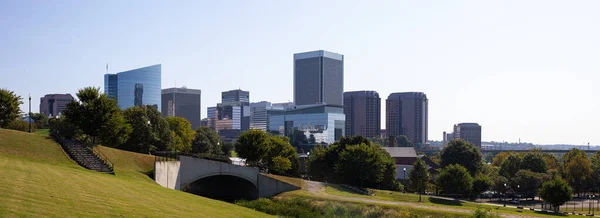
(182, 102)
(135, 87)
(407, 114)
(318, 78)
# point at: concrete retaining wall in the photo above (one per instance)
(268, 186)
(166, 173)
(195, 168)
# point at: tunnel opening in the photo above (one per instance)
(224, 187)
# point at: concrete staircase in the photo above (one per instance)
(86, 156)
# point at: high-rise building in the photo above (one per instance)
(233, 113)
(235, 96)
(54, 104)
(363, 113)
(260, 111)
(182, 102)
(446, 138)
(318, 78)
(135, 87)
(407, 114)
(470, 132)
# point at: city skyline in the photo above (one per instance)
(496, 64)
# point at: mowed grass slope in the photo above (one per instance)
(38, 179)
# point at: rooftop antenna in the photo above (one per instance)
(106, 68)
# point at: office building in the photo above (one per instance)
(135, 87)
(53, 104)
(407, 114)
(470, 132)
(318, 78)
(182, 102)
(309, 124)
(233, 113)
(363, 113)
(260, 111)
(235, 96)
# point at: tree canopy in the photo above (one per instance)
(463, 153)
(182, 134)
(556, 192)
(206, 141)
(418, 177)
(9, 107)
(455, 180)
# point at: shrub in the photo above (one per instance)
(21, 125)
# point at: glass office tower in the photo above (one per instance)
(318, 78)
(135, 87)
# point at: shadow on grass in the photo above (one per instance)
(150, 174)
(445, 201)
(550, 213)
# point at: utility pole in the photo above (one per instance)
(29, 115)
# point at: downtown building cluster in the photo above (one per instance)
(321, 112)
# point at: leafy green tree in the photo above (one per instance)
(150, 132)
(529, 182)
(9, 107)
(40, 120)
(455, 180)
(21, 125)
(534, 161)
(511, 165)
(463, 153)
(418, 177)
(595, 166)
(206, 141)
(360, 164)
(280, 165)
(556, 192)
(93, 115)
(227, 148)
(183, 134)
(497, 161)
(569, 156)
(317, 164)
(481, 183)
(404, 142)
(498, 184)
(551, 161)
(578, 170)
(116, 131)
(280, 147)
(60, 128)
(253, 145)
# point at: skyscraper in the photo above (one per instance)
(135, 87)
(53, 104)
(407, 114)
(235, 96)
(182, 102)
(233, 113)
(363, 113)
(260, 111)
(318, 78)
(470, 132)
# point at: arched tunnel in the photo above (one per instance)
(224, 187)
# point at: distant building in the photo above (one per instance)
(318, 78)
(309, 124)
(182, 102)
(236, 96)
(54, 104)
(259, 113)
(407, 114)
(402, 155)
(363, 113)
(135, 87)
(446, 138)
(233, 113)
(470, 132)
(383, 133)
(204, 122)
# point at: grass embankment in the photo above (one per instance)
(38, 179)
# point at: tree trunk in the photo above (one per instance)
(419, 196)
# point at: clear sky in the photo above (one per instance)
(521, 69)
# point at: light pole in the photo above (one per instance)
(29, 116)
(589, 204)
(518, 195)
(504, 201)
(149, 133)
(404, 178)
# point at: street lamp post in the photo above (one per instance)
(29, 116)
(504, 201)
(404, 178)
(518, 195)
(149, 131)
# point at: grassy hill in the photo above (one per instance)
(38, 179)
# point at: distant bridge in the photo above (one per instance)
(215, 179)
(430, 152)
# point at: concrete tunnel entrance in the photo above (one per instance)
(224, 187)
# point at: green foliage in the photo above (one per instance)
(455, 180)
(280, 147)
(360, 164)
(511, 165)
(150, 131)
(182, 134)
(418, 177)
(9, 107)
(556, 192)
(595, 166)
(577, 170)
(40, 120)
(404, 142)
(528, 181)
(253, 145)
(568, 157)
(463, 153)
(227, 148)
(206, 141)
(497, 161)
(481, 183)
(116, 131)
(61, 128)
(280, 165)
(21, 125)
(484, 213)
(534, 161)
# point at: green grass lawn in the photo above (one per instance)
(43, 132)
(38, 179)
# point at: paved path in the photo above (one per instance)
(318, 189)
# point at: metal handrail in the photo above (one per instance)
(104, 158)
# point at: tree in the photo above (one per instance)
(455, 180)
(404, 142)
(418, 177)
(528, 181)
(40, 120)
(595, 166)
(280, 165)
(253, 145)
(551, 161)
(556, 192)
(497, 161)
(20, 125)
(463, 153)
(227, 148)
(150, 132)
(206, 141)
(9, 107)
(578, 170)
(360, 164)
(481, 183)
(116, 131)
(317, 164)
(183, 134)
(60, 128)
(534, 161)
(279, 146)
(568, 157)
(93, 114)
(511, 165)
